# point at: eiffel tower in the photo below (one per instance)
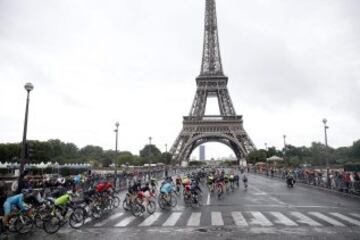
(198, 128)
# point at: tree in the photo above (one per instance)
(355, 150)
(257, 156)
(166, 158)
(150, 150)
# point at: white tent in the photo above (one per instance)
(41, 165)
(274, 158)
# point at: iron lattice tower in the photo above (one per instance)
(199, 128)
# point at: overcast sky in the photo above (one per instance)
(290, 63)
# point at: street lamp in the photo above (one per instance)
(28, 87)
(284, 136)
(166, 148)
(150, 138)
(326, 148)
(116, 146)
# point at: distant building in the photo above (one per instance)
(202, 153)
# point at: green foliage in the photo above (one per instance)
(55, 150)
(257, 156)
(355, 150)
(229, 163)
(197, 163)
(150, 150)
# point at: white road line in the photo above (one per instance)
(346, 219)
(259, 219)
(282, 219)
(327, 219)
(172, 219)
(355, 215)
(239, 219)
(113, 217)
(194, 219)
(208, 199)
(216, 219)
(305, 220)
(125, 221)
(150, 219)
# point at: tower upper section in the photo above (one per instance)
(211, 60)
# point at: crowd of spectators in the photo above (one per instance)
(337, 179)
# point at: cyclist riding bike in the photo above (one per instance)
(245, 181)
(226, 181)
(178, 183)
(167, 189)
(210, 182)
(11, 202)
(290, 179)
(186, 181)
(220, 183)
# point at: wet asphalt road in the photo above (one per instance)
(266, 210)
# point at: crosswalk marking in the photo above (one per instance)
(347, 219)
(172, 219)
(355, 215)
(216, 219)
(113, 217)
(125, 221)
(239, 219)
(304, 219)
(327, 219)
(194, 219)
(259, 219)
(282, 219)
(150, 219)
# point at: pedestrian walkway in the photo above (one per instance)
(233, 218)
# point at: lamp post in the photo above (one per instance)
(267, 163)
(150, 138)
(284, 136)
(28, 88)
(166, 148)
(116, 147)
(326, 149)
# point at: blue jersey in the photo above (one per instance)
(16, 200)
(166, 188)
(77, 179)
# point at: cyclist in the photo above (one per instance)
(186, 181)
(167, 189)
(178, 183)
(13, 201)
(290, 179)
(220, 183)
(210, 182)
(226, 181)
(245, 180)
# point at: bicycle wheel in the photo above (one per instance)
(23, 224)
(12, 220)
(136, 209)
(96, 211)
(38, 220)
(161, 201)
(173, 202)
(115, 202)
(77, 218)
(51, 224)
(126, 205)
(151, 207)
